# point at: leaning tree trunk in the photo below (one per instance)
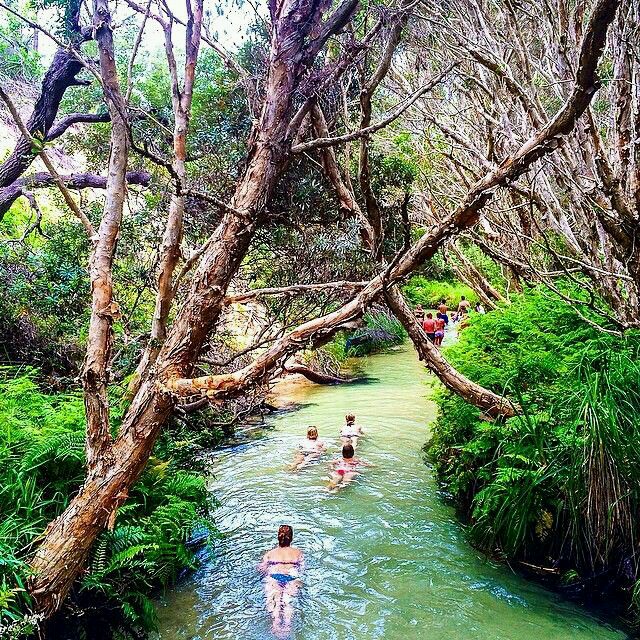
(59, 77)
(66, 545)
(490, 403)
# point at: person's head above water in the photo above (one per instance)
(285, 535)
(350, 418)
(348, 451)
(312, 433)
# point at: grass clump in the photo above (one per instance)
(557, 487)
(381, 331)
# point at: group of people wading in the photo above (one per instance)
(282, 566)
(435, 327)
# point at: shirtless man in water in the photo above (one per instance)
(282, 567)
(311, 448)
(429, 326)
(464, 305)
(442, 311)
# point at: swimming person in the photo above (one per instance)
(345, 469)
(311, 448)
(351, 431)
(429, 326)
(282, 567)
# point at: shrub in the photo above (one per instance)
(42, 467)
(559, 484)
(429, 293)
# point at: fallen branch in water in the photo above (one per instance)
(315, 376)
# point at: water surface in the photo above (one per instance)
(386, 558)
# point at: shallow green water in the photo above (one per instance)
(385, 558)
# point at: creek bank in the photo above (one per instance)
(553, 492)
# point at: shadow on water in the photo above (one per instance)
(385, 558)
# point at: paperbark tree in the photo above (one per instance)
(298, 35)
(116, 465)
(581, 198)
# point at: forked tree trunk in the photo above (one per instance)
(59, 77)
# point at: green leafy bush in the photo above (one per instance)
(429, 293)
(42, 467)
(558, 485)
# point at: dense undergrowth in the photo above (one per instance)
(41, 468)
(557, 488)
(429, 293)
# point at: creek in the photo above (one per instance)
(385, 557)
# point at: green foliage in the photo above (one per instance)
(18, 59)
(560, 483)
(429, 293)
(382, 330)
(42, 467)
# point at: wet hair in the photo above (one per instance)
(312, 433)
(429, 315)
(462, 298)
(348, 451)
(350, 418)
(285, 535)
